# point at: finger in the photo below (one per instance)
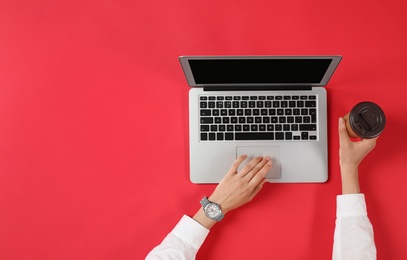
(237, 163)
(249, 166)
(261, 173)
(257, 188)
(343, 132)
(256, 168)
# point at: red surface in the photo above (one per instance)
(94, 124)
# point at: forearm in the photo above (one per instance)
(350, 179)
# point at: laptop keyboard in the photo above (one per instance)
(228, 118)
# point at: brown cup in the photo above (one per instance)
(365, 120)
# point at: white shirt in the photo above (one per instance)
(353, 236)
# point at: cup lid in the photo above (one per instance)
(367, 120)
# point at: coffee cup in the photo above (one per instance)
(365, 120)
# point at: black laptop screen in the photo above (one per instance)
(259, 71)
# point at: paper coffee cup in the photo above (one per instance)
(365, 120)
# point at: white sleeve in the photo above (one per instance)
(353, 237)
(182, 243)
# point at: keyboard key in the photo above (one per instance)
(254, 136)
(303, 97)
(203, 104)
(203, 98)
(204, 128)
(279, 136)
(288, 136)
(204, 136)
(219, 136)
(228, 136)
(205, 112)
(212, 137)
(310, 103)
(206, 120)
(313, 137)
(308, 127)
(220, 98)
(304, 135)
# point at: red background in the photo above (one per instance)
(94, 124)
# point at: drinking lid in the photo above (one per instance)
(367, 120)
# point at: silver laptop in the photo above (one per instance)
(259, 106)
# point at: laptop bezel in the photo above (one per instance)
(184, 60)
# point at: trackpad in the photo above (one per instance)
(254, 151)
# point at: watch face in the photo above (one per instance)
(212, 210)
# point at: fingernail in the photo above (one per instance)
(269, 163)
(268, 157)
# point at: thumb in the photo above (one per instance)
(343, 132)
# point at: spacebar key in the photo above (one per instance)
(254, 136)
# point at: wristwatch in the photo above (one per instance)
(212, 210)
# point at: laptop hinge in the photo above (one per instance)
(255, 88)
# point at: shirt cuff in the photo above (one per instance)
(351, 205)
(190, 231)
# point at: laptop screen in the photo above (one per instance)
(261, 70)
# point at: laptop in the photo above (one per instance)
(259, 106)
